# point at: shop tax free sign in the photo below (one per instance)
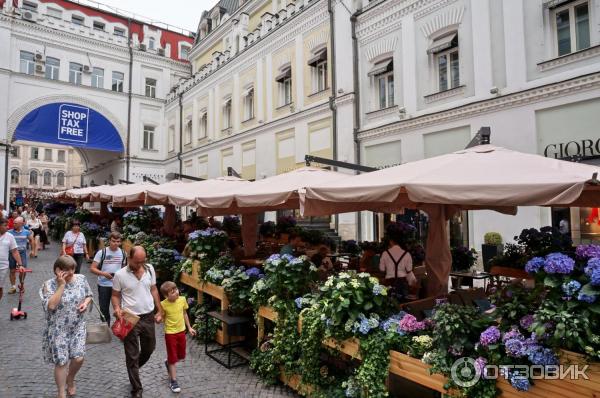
(73, 123)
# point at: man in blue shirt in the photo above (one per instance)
(22, 237)
(294, 242)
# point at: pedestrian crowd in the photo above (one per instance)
(126, 282)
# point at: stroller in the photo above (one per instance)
(16, 313)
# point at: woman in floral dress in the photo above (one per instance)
(65, 299)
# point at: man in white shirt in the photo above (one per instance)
(3, 212)
(134, 289)
(107, 262)
(8, 247)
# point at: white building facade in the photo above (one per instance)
(67, 52)
(432, 73)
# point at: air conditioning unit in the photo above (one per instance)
(39, 57)
(29, 15)
(142, 47)
(161, 51)
(87, 69)
(39, 68)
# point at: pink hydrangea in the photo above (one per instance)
(410, 324)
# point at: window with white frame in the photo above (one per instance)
(117, 81)
(33, 177)
(150, 87)
(318, 65)
(284, 80)
(445, 53)
(29, 5)
(171, 139)
(75, 72)
(47, 155)
(203, 128)
(98, 77)
(571, 24)
(14, 176)
(148, 139)
(60, 179)
(188, 132)
(119, 32)
(47, 178)
(35, 153)
(27, 64)
(151, 43)
(382, 74)
(227, 114)
(248, 99)
(54, 13)
(60, 157)
(78, 19)
(52, 68)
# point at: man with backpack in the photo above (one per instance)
(106, 263)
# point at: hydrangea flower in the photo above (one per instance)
(489, 336)
(593, 271)
(409, 324)
(571, 288)
(515, 348)
(298, 302)
(534, 265)
(378, 289)
(539, 355)
(521, 383)
(253, 272)
(480, 364)
(392, 323)
(526, 321)
(424, 341)
(588, 251)
(512, 334)
(586, 298)
(558, 263)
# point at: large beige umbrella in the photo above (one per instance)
(106, 193)
(483, 177)
(272, 193)
(187, 194)
(81, 194)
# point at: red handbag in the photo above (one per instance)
(121, 328)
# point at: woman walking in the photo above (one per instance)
(35, 226)
(65, 299)
(74, 245)
(44, 232)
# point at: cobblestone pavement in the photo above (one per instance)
(24, 374)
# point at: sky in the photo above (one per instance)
(181, 13)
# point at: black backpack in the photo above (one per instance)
(123, 261)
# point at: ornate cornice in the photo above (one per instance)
(385, 15)
(543, 93)
(568, 59)
(381, 113)
(450, 17)
(381, 47)
(433, 8)
(431, 98)
(344, 99)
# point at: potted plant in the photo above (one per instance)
(463, 259)
(491, 247)
(285, 225)
(267, 230)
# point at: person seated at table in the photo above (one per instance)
(294, 243)
(321, 259)
(236, 251)
(397, 264)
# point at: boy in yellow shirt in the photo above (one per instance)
(176, 320)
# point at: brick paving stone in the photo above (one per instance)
(23, 373)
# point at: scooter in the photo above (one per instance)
(16, 313)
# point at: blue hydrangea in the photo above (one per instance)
(273, 257)
(520, 382)
(253, 272)
(586, 298)
(392, 323)
(571, 288)
(489, 336)
(377, 289)
(515, 348)
(534, 265)
(288, 257)
(539, 355)
(558, 263)
(593, 271)
(298, 302)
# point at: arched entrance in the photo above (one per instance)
(93, 131)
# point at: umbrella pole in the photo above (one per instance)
(249, 232)
(438, 258)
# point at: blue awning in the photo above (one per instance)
(69, 124)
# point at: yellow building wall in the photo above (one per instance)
(203, 166)
(248, 154)
(316, 145)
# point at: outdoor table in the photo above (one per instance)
(235, 327)
(473, 275)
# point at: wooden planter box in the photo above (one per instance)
(193, 279)
(349, 346)
(417, 371)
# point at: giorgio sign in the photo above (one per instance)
(573, 148)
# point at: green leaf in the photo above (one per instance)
(590, 290)
(552, 281)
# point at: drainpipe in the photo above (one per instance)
(180, 133)
(356, 84)
(129, 100)
(332, 105)
(6, 176)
